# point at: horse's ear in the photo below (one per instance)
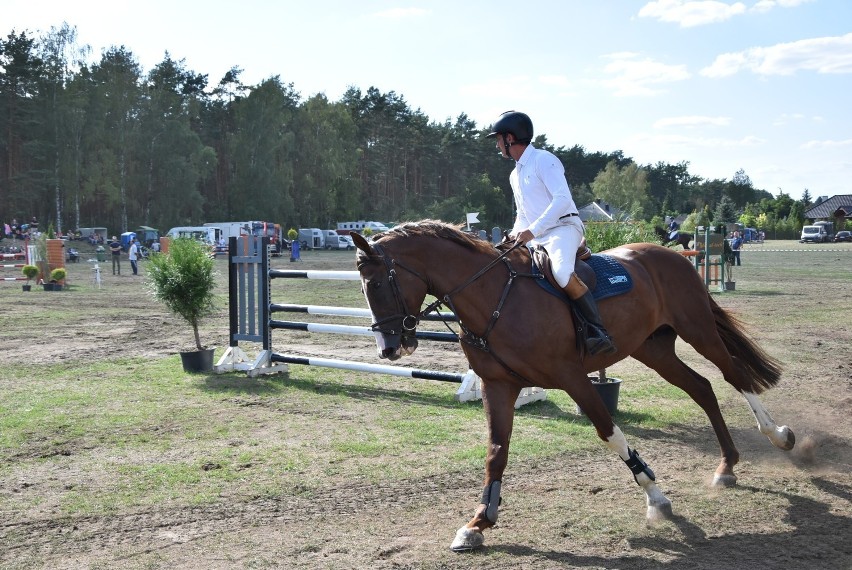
(361, 243)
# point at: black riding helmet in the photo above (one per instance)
(515, 122)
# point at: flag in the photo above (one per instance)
(472, 218)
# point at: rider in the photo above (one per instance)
(673, 229)
(547, 215)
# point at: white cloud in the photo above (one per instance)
(786, 118)
(823, 55)
(400, 13)
(692, 121)
(633, 77)
(767, 5)
(691, 13)
(827, 144)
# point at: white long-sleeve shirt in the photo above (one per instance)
(541, 192)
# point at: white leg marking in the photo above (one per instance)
(659, 506)
(467, 539)
(781, 437)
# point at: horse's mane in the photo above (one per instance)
(436, 229)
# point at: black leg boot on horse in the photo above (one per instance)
(597, 339)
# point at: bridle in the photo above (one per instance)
(410, 320)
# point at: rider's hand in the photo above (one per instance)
(524, 236)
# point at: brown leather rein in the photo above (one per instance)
(410, 320)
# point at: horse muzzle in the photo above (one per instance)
(395, 346)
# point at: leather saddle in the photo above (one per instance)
(587, 275)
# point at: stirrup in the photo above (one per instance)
(600, 344)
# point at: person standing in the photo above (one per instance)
(115, 250)
(133, 255)
(547, 216)
(736, 246)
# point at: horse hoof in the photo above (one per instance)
(724, 480)
(467, 539)
(660, 511)
(786, 438)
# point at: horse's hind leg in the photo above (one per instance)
(714, 349)
(781, 437)
(658, 353)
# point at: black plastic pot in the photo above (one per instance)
(197, 360)
(608, 391)
(27, 287)
(47, 286)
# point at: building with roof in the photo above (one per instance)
(832, 209)
(600, 211)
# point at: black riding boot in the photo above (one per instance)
(597, 339)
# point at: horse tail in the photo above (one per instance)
(759, 370)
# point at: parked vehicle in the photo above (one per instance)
(311, 238)
(254, 228)
(814, 234)
(339, 242)
(842, 236)
(205, 234)
(360, 226)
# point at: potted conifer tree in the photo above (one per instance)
(30, 272)
(184, 280)
(56, 278)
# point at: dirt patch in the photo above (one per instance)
(568, 510)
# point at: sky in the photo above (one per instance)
(761, 85)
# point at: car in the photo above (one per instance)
(843, 236)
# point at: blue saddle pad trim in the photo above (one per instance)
(612, 278)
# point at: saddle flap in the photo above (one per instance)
(542, 260)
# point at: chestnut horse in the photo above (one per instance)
(517, 335)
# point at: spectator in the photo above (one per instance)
(133, 255)
(736, 246)
(115, 250)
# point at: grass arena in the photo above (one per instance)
(112, 456)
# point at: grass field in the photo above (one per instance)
(111, 456)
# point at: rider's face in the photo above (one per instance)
(501, 145)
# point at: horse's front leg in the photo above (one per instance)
(498, 399)
(658, 505)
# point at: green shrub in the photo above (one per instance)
(30, 272)
(184, 281)
(58, 274)
(607, 235)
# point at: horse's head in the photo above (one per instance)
(389, 294)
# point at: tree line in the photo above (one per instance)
(102, 142)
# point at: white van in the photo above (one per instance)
(815, 234)
(339, 242)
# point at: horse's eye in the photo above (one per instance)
(375, 284)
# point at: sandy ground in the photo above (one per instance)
(791, 510)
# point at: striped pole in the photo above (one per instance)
(375, 368)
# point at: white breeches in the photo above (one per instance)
(561, 244)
